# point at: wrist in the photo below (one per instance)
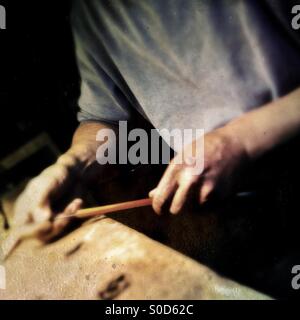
(236, 134)
(76, 159)
(253, 138)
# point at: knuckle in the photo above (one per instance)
(187, 177)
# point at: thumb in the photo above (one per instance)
(152, 193)
(41, 214)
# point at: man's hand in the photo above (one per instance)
(224, 156)
(55, 194)
(36, 205)
(227, 150)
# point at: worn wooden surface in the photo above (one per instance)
(106, 260)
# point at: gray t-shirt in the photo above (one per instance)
(183, 64)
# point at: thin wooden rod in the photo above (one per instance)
(98, 211)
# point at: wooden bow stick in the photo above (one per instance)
(98, 211)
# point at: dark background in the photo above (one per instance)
(39, 82)
(39, 79)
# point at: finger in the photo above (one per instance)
(151, 193)
(72, 207)
(165, 188)
(205, 191)
(180, 197)
(62, 220)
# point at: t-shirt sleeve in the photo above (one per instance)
(101, 99)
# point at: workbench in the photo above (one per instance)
(104, 259)
(107, 258)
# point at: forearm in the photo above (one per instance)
(269, 126)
